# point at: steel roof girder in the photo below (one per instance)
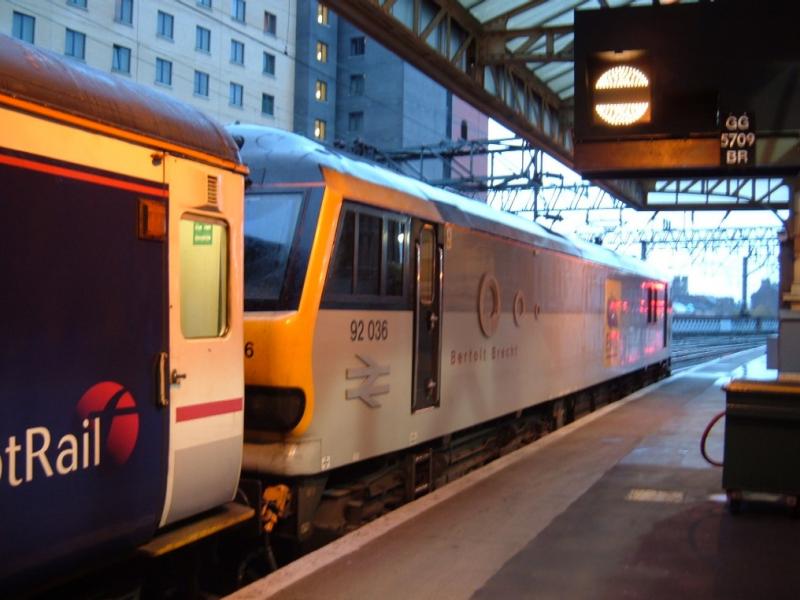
(517, 10)
(464, 74)
(471, 26)
(529, 32)
(492, 47)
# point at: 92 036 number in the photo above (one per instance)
(375, 331)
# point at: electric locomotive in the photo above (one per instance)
(121, 384)
(398, 335)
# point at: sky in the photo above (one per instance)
(712, 273)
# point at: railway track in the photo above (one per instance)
(691, 350)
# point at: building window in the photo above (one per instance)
(357, 46)
(121, 59)
(23, 27)
(201, 84)
(238, 10)
(321, 91)
(355, 121)
(322, 52)
(202, 39)
(319, 129)
(75, 44)
(236, 95)
(237, 52)
(267, 105)
(464, 130)
(270, 23)
(124, 12)
(268, 64)
(77, 3)
(163, 71)
(322, 14)
(357, 84)
(165, 26)
(204, 3)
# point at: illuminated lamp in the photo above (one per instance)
(622, 96)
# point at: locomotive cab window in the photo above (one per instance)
(269, 232)
(279, 230)
(369, 258)
(204, 277)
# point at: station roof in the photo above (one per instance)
(542, 31)
(514, 60)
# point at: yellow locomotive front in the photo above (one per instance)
(288, 231)
(316, 331)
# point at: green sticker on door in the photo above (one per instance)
(203, 234)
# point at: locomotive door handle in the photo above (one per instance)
(432, 320)
(175, 377)
(163, 395)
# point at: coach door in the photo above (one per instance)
(427, 316)
(204, 372)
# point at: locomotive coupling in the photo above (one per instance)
(276, 501)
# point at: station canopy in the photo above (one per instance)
(512, 59)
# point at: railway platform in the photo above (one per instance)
(619, 504)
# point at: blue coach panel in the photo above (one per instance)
(83, 305)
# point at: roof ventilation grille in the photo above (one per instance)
(212, 190)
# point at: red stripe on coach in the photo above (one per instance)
(208, 409)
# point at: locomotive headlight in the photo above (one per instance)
(622, 96)
(273, 409)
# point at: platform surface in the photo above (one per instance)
(617, 505)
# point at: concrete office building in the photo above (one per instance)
(348, 87)
(233, 59)
(315, 81)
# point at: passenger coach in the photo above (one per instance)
(121, 380)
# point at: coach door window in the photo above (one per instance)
(204, 277)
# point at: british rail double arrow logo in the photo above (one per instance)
(370, 373)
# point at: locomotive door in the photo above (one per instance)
(204, 372)
(427, 316)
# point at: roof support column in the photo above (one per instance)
(789, 328)
(790, 276)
